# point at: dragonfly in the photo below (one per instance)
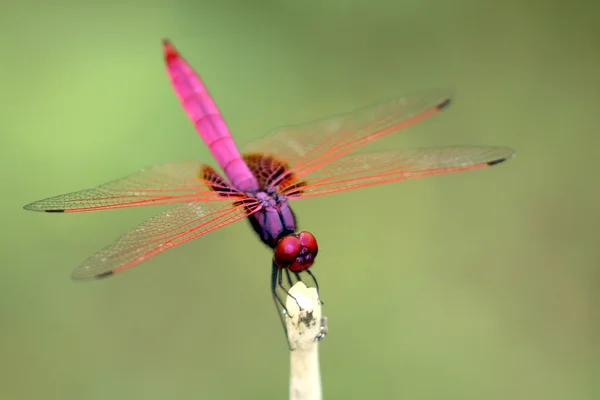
(295, 162)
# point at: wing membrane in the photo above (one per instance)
(159, 184)
(310, 146)
(361, 170)
(162, 232)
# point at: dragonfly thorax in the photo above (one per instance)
(269, 197)
(275, 219)
(275, 224)
(271, 216)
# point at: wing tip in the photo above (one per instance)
(444, 104)
(500, 160)
(171, 53)
(496, 162)
(104, 275)
(34, 207)
(75, 276)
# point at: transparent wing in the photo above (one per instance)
(163, 232)
(361, 170)
(309, 146)
(172, 183)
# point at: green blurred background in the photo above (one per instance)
(470, 286)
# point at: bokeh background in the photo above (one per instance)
(480, 285)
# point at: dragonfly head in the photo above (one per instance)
(296, 252)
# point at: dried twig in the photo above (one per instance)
(306, 328)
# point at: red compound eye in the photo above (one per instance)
(296, 252)
(309, 242)
(287, 250)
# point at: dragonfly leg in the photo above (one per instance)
(280, 283)
(275, 273)
(289, 278)
(309, 272)
(279, 304)
(298, 278)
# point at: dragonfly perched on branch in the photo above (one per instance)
(292, 163)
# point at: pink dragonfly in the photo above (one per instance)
(293, 163)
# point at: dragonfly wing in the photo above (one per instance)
(163, 232)
(180, 182)
(309, 146)
(361, 170)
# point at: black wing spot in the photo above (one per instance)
(104, 275)
(54, 211)
(443, 104)
(496, 162)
